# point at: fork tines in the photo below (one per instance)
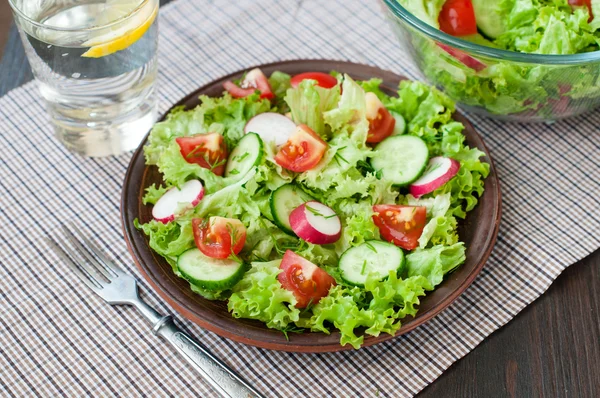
(85, 258)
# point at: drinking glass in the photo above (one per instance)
(95, 64)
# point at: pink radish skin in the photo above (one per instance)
(316, 223)
(439, 171)
(271, 126)
(463, 57)
(166, 207)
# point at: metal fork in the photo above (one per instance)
(116, 287)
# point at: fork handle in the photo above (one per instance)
(219, 375)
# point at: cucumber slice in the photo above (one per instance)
(209, 273)
(401, 158)
(491, 16)
(247, 154)
(372, 257)
(400, 127)
(283, 201)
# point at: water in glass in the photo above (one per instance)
(95, 62)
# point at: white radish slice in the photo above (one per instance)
(439, 171)
(316, 223)
(271, 126)
(175, 199)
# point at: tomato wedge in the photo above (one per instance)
(254, 80)
(219, 237)
(381, 121)
(305, 280)
(302, 151)
(457, 18)
(206, 150)
(323, 79)
(582, 3)
(400, 225)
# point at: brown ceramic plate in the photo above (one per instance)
(478, 231)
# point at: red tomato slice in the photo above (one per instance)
(323, 79)
(303, 150)
(254, 80)
(581, 3)
(219, 237)
(457, 18)
(206, 150)
(381, 121)
(305, 280)
(400, 225)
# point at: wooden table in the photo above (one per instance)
(529, 357)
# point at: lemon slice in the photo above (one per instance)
(122, 37)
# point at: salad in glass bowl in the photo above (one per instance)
(313, 202)
(524, 60)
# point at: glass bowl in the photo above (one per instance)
(498, 83)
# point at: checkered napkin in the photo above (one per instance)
(58, 338)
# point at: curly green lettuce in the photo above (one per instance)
(349, 309)
(308, 102)
(260, 296)
(435, 262)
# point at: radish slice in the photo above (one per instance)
(316, 223)
(271, 126)
(464, 58)
(188, 196)
(439, 171)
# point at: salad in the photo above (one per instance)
(505, 87)
(313, 202)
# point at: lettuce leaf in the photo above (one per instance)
(348, 308)
(153, 193)
(349, 118)
(441, 227)
(259, 295)
(224, 115)
(280, 83)
(308, 102)
(427, 11)
(468, 184)
(169, 240)
(435, 262)
(176, 170)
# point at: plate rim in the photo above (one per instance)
(492, 182)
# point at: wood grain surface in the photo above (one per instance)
(5, 21)
(551, 349)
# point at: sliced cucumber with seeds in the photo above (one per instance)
(401, 159)
(209, 273)
(372, 257)
(283, 201)
(247, 154)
